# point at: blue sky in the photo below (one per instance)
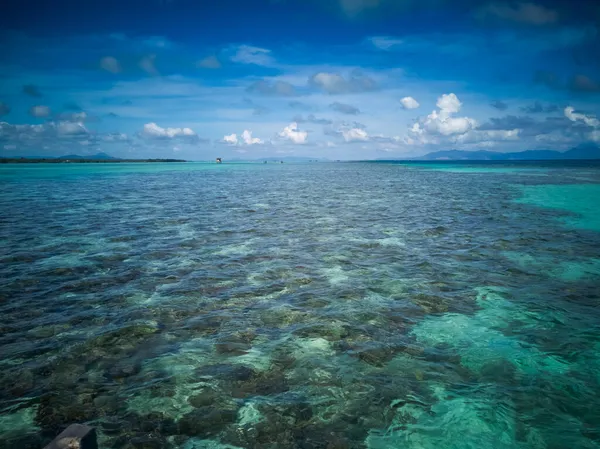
(336, 79)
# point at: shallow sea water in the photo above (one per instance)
(330, 305)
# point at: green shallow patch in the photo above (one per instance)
(582, 200)
(480, 342)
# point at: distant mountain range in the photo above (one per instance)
(588, 151)
(90, 157)
(97, 156)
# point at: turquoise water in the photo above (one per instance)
(330, 305)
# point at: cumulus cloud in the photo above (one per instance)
(344, 108)
(355, 134)
(210, 62)
(523, 12)
(442, 122)
(409, 103)
(275, 88)
(293, 134)
(231, 139)
(311, 118)
(500, 105)
(442, 126)
(576, 117)
(384, 43)
(243, 139)
(4, 109)
(39, 111)
(71, 129)
(32, 90)
(538, 108)
(335, 83)
(36, 135)
(110, 64)
(249, 140)
(147, 64)
(247, 54)
(153, 131)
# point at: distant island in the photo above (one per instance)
(98, 158)
(587, 151)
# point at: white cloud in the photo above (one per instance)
(384, 42)
(210, 62)
(442, 122)
(153, 131)
(243, 139)
(292, 133)
(409, 103)
(70, 129)
(249, 140)
(231, 139)
(39, 111)
(575, 116)
(147, 65)
(355, 134)
(449, 104)
(110, 64)
(247, 54)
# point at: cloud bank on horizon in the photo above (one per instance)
(332, 79)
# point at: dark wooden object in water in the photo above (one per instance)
(76, 436)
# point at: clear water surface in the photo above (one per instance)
(329, 305)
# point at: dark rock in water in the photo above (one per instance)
(205, 325)
(31, 441)
(106, 402)
(502, 372)
(261, 384)
(58, 410)
(153, 423)
(227, 372)
(206, 398)
(206, 421)
(320, 330)
(147, 442)
(378, 355)
(112, 426)
(430, 303)
(129, 335)
(124, 368)
(226, 347)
